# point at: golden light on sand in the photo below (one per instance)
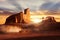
(10, 29)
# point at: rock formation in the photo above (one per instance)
(27, 15)
(19, 17)
(48, 23)
(49, 19)
(16, 18)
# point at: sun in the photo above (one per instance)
(36, 20)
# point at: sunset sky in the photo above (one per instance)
(34, 5)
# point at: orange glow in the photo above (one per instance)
(36, 20)
(32, 17)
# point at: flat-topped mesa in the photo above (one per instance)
(19, 17)
(48, 23)
(49, 19)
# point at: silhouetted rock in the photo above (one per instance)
(19, 17)
(16, 18)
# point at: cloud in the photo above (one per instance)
(15, 3)
(45, 6)
(2, 0)
(50, 6)
(55, 6)
(51, 0)
(32, 4)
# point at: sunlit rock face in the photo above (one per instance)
(10, 29)
(27, 15)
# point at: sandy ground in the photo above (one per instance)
(26, 35)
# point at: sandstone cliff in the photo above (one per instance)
(19, 17)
